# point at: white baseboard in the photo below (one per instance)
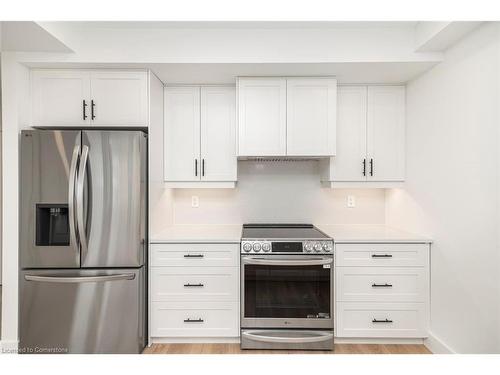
(377, 340)
(437, 346)
(8, 347)
(195, 340)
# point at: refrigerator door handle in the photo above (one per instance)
(71, 196)
(79, 201)
(79, 279)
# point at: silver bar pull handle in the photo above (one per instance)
(374, 285)
(79, 279)
(188, 285)
(189, 320)
(262, 337)
(381, 255)
(194, 256)
(71, 196)
(287, 262)
(80, 219)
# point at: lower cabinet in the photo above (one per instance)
(382, 290)
(195, 319)
(194, 290)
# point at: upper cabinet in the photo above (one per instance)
(89, 98)
(286, 116)
(262, 116)
(200, 136)
(311, 110)
(371, 137)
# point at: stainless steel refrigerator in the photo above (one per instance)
(83, 241)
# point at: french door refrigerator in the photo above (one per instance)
(83, 241)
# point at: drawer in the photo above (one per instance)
(382, 284)
(195, 319)
(195, 254)
(380, 254)
(382, 319)
(194, 283)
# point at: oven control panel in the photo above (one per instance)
(287, 247)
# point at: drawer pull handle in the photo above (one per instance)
(381, 285)
(193, 285)
(381, 321)
(194, 255)
(189, 320)
(381, 255)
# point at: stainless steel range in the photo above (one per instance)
(286, 287)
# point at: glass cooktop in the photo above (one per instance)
(282, 231)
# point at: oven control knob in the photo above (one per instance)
(308, 247)
(317, 247)
(257, 246)
(266, 247)
(247, 247)
(327, 247)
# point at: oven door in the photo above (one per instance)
(293, 291)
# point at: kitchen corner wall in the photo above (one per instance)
(452, 193)
(286, 191)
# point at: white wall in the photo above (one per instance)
(278, 192)
(452, 189)
(15, 95)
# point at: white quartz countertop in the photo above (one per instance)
(199, 233)
(232, 234)
(369, 233)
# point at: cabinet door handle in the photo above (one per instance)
(193, 255)
(189, 320)
(364, 167)
(381, 321)
(203, 167)
(371, 167)
(381, 255)
(188, 285)
(92, 108)
(196, 167)
(84, 110)
(381, 285)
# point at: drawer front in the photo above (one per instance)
(379, 284)
(194, 284)
(383, 255)
(382, 320)
(195, 319)
(195, 255)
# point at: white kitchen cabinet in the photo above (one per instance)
(60, 98)
(119, 98)
(386, 133)
(370, 138)
(382, 290)
(89, 98)
(349, 164)
(280, 116)
(194, 290)
(200, 136)
(218, 134)
(262, 116)
(311, 116)
(182, 133)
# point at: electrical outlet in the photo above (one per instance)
(195, 201)
(351, 201)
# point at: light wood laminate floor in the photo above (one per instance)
(235, 349)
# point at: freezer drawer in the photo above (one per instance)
(88, 311)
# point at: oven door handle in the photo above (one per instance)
(287, 262)
(262, 337)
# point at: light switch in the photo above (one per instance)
(195, 201)
(351, 201)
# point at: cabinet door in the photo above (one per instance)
(218, 134)
(347, 165)
(182, 134)
(262, 116)
(120, 98)
(311, 116)
(58, 98)
(386, 133)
